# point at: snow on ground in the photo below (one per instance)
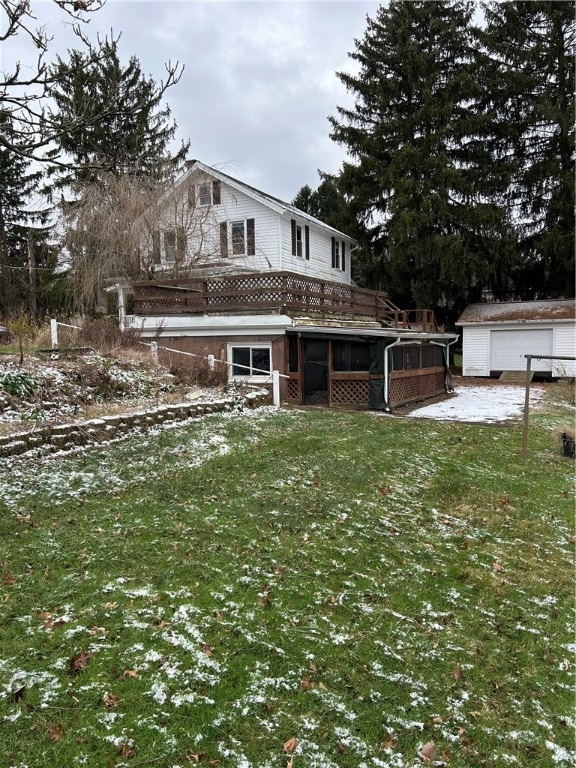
(481, 403)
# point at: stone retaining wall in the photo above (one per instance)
(62, 437)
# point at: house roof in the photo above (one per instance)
(270, 201)
(519, 312)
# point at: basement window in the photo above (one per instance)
(253, 362)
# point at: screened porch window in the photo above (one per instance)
(350, 356)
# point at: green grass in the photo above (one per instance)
(361, 583)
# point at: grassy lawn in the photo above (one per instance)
(371, 587)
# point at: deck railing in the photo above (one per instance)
(273, 291)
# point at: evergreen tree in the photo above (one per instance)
(21, 229)
(417, 170)
(117, 122)
(528, 81)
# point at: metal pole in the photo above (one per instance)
(526, 408)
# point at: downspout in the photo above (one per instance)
(280, 264)
(352, 249)
(386, 387)
(449, 379)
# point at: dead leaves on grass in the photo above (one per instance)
(427, 753)
(288, 748)
(79, 661)
(110, 700)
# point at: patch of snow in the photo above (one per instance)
(487, 404)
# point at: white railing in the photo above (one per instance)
(54, 331)
(274, 375)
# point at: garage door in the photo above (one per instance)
(508, 348)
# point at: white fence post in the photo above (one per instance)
(54, 333)
(276, 388)
(154, 351)
(211, 363)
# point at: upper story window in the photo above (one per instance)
(300, 239)
(338, 254)
(238, 238)
(168, 245)
(204, 194)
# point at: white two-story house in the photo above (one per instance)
(256, 285)
(212, 222)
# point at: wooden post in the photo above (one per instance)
(526, 408)
(276, 388)
(54, 333)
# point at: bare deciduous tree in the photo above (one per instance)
(24, 91)
(126, 228)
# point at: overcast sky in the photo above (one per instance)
(259, 77)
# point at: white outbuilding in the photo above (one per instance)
(496, 337)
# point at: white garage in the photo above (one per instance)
(496, 337)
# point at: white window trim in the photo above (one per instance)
(249, 378)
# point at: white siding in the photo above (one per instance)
(236, 206)
(320, 263)
(273, 233)
(475, 354)
(564, 345)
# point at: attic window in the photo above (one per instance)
(209, 193)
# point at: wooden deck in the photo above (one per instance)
(284, 292)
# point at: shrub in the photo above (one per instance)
(19, 383)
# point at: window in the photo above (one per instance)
(238, 238)
(250, 361)
(169, 244)
(298, 240)
(412, 358)
(397, 358)
(338, 254)
(300, 245)
(428, 356)
(208, 193)
(350, 356)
